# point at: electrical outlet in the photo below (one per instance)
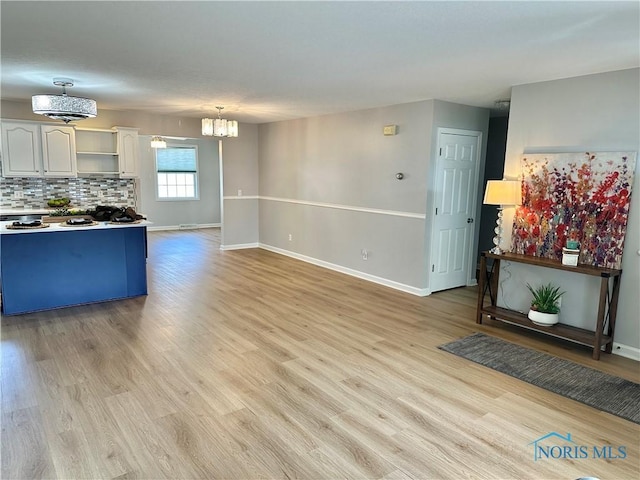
(124, 194)
(18, 194)
(365, 254)
(559, 301)
(100, 193)
(239, 192)
(290, 237)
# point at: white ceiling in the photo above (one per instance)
(268, 61)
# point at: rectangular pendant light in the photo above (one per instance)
(219, 127)
(207, 127)
(232, 128)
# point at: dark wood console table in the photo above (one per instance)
(607, 308)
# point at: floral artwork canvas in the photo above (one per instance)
(575, 196)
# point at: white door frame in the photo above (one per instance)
(431, 209)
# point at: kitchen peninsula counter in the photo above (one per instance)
(61, 266)
(60, 227)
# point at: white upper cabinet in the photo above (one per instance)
(34, 149)
(21, 150)
(97, 151)
(59, 151)
(128, 151)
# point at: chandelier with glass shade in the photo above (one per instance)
(219, 127)
(158, 142)
(64, 107)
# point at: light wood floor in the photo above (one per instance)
(247, 364)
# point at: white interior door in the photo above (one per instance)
(454, 214)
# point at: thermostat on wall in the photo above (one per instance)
(390, 129)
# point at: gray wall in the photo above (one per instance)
(240, 188)
(330, 183)
(163, 213)
(591, 113)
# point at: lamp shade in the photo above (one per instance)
(64, 107)
(219, 127)
(232, 128)
(502, 192)
(207, 127)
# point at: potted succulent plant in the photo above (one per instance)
(544, 306)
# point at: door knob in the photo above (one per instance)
(469, 220)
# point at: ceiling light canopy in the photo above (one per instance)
(64, 107)
(219, 127)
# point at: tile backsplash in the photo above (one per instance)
(83, 192)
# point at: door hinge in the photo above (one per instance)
(440, 152)
(433, 268)
(436, 210)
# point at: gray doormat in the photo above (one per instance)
(605, 392)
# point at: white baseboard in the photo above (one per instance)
(421, 292)
(194, 226)
(239, 246)
(626, 351)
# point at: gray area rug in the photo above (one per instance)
(605, 392)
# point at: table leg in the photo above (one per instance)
(604, 289)
(494, 280)
(613, 311)
(481, 287)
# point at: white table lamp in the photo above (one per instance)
(503, 193)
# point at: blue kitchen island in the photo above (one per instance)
(61, 266)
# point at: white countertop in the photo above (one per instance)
(25, 211)
(57, 227)
(37, 211)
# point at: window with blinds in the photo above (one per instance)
(177, 172)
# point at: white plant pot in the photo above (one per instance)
(543, 319)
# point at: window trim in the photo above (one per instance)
(196, 175)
